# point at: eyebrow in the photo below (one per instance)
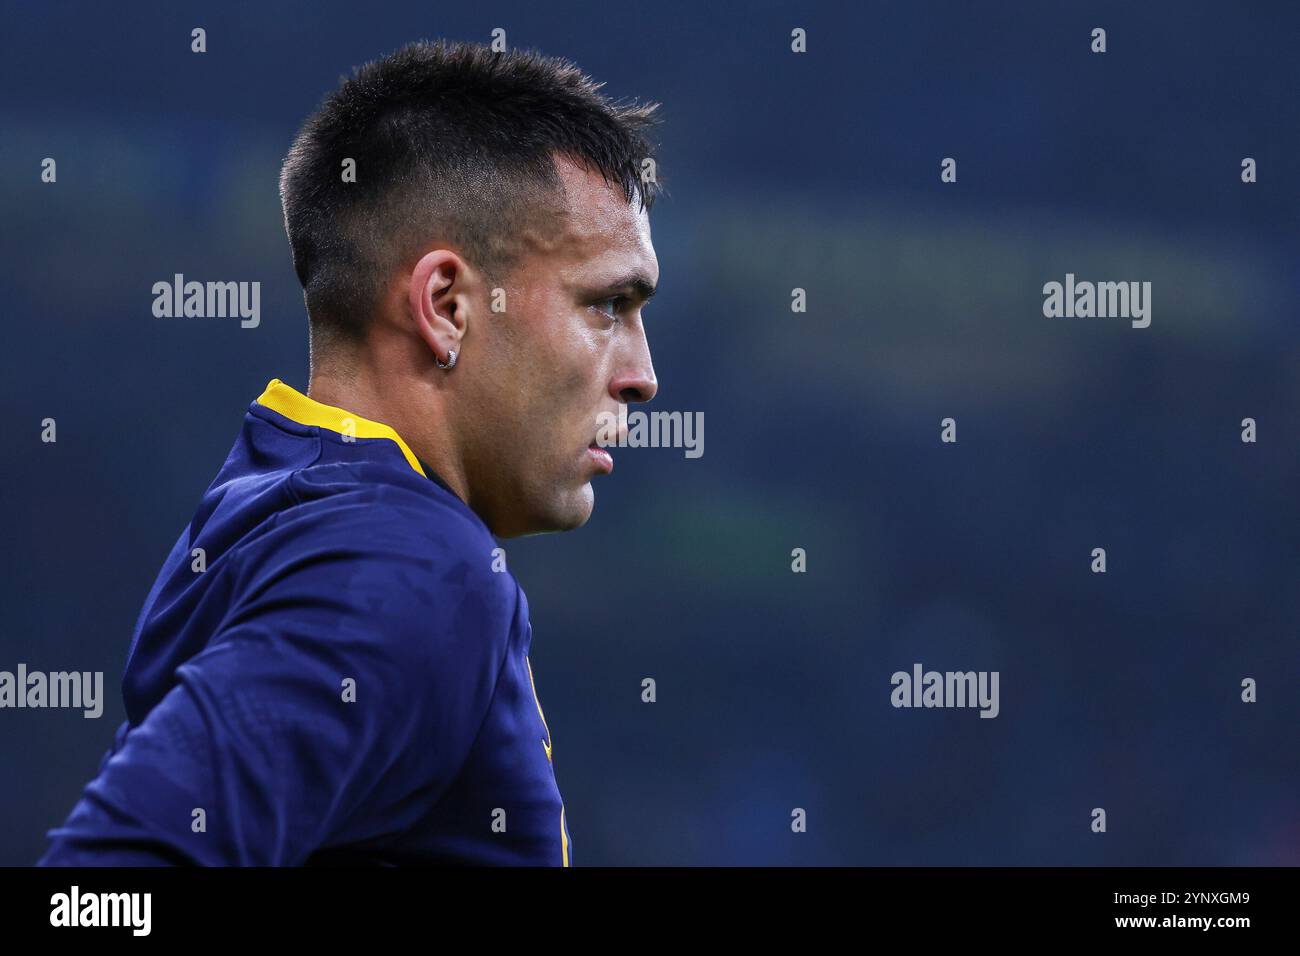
(637, 284)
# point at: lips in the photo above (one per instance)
(600, 457)
(598, 452)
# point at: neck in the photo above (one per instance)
(407, 403)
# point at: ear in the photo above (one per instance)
(439, 301)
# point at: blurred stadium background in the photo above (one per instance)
(822, 429)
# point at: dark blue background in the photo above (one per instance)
(822, 429)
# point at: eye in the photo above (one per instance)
(610, 308)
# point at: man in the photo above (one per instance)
(332, 666)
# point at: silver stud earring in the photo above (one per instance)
(451, 359)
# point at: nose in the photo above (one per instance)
(635, 381)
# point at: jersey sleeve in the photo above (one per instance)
(334, 705)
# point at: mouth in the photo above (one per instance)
(600, 457)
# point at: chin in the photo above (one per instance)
(575, 513)
(567, 514)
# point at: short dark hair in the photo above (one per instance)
(451, 141)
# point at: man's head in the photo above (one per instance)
(498, 211)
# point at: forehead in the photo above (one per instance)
(601, 234)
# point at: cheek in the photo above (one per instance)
(554, 355)
(540, 334)
(575, 354)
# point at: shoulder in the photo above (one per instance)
(405, 573)
(377, 521)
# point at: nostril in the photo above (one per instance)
(629, 396)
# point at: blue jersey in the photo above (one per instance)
(331, 668)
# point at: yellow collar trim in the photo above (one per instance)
(297, 407)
